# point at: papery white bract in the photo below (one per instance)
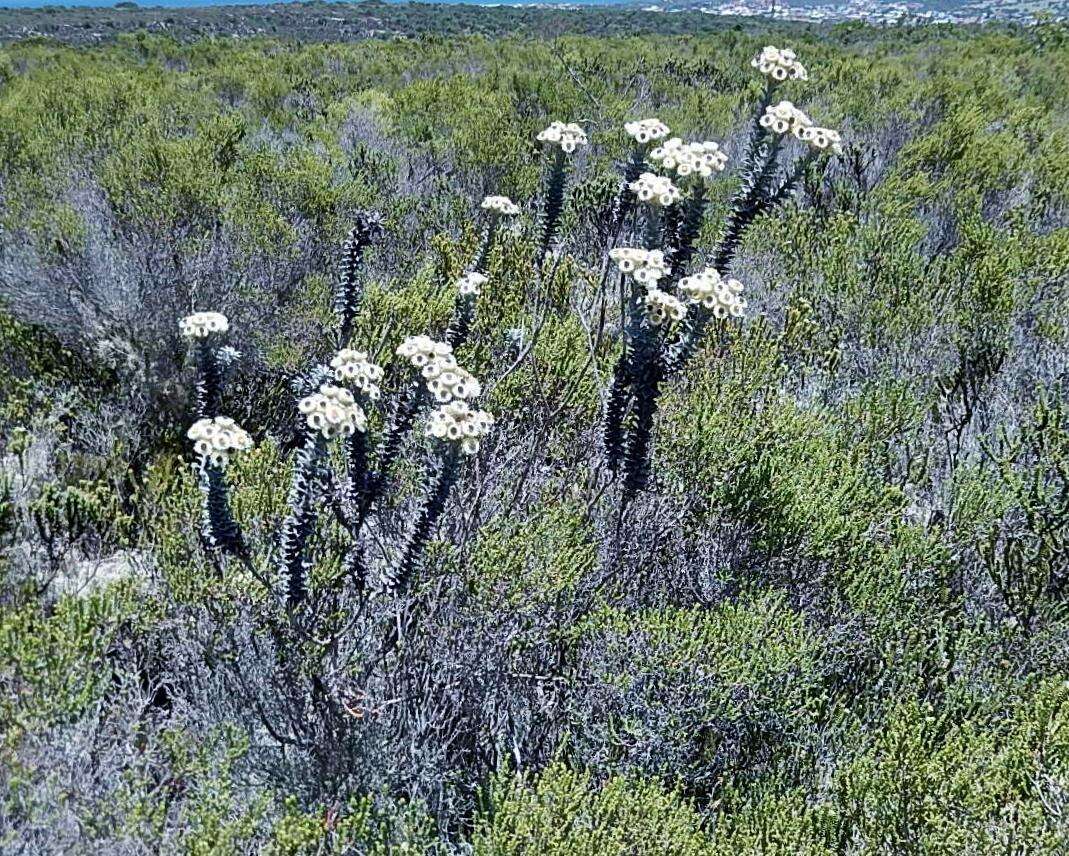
(201, 325)
(709, 289)
(784, 118)
(690, 160)
(822, 139)
(333, 411)
(471, 283)
(216, 439)
(655, 189)
(568, 136)
(355, 367)
(420, 350)
(662, 307)
(646, 266)
(447, 381)
(646, 130)
(457, 422)
(779, 64)
(500, 205)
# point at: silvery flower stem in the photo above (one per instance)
(209, 379)
(357, 476)
(300, 522)
(404, 415)
(482, 260)
(460, 325)
(621, 390)
(348, 292)
(441, 477)
(686, 237)
(625, 199)
(640, 437)
(553, 206)
(654, 228)
(221, 531)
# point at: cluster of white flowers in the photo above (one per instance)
(456, 421)
(500, 205)
(700, 160)
(646, 130)
(655, 189)
(712, 291)
(200, 325)
(785, 118)
(470, 283)
(662, 307)
(216, 439)
(420, 350)
(822, 139)
(646, 266)
(356, 368)
(779, 64)
(446, 380)
(333, 411)
(568, 136)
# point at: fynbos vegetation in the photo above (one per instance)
(620, 446)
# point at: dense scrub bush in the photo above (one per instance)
(763, 553)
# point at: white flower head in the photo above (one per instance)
(784, 118)
(568, 136)
(356, 368)
(471, 283)
(215, 440)
(420, 350)
(646, 266)
(500, 205)
(447, 381)
(690, 160)
(333, 411)
(200, 325)
(646, 130)
(707, 288)
(779, 64)
(822, 139)
(655, 189)
(456, 422)
(662, 307)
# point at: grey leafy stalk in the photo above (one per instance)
(441, 477)
(464, 308)
(349, 291)
(299, 524)
(688, 225)
(460, 324)
(409, 403)
(624, 202)
(209, 379)
(553, 204)
(220, 530)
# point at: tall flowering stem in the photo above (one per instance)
(624, 202)
(653, 349)
(328, 412)
(209, 379)
(685, 236)
(408, 406)
(553, 204)
(221, 530)
(441, 477)
(349, 291)
(299, 524)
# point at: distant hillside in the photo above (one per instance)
(320, 22)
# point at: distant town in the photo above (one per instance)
(877, 12)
